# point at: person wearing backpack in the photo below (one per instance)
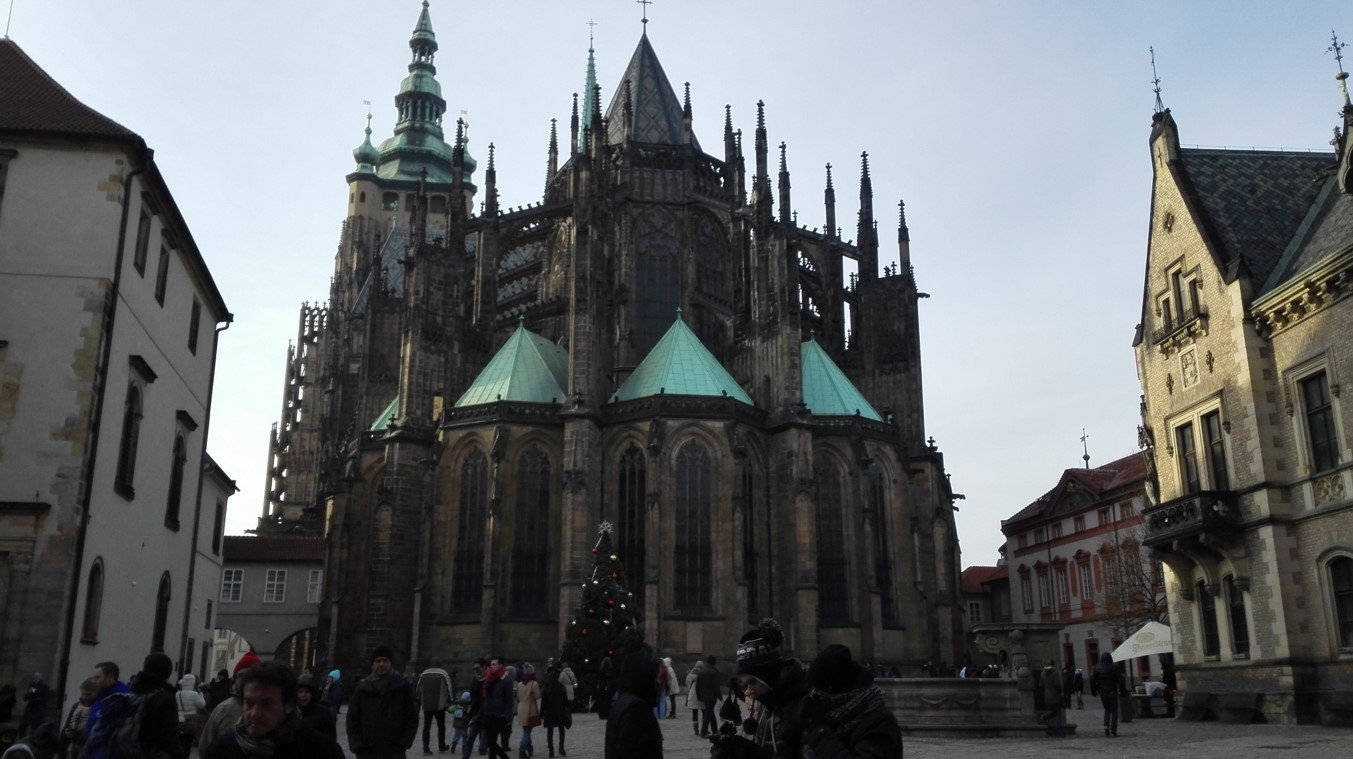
(106, 683)
(160, 715)
(272, 726)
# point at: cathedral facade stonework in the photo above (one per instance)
(650, 345)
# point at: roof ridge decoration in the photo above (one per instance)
(827, 391)
(655, 114)
(679, 364)
(528, 369)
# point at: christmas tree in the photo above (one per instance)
(605, 624)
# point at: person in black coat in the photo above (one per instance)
(272, 726)
(1107, 683)
(314, 714)
(708, 691)
(160, 712)
(632, 730)
(554, 710)
(846, 716)
(382, 716)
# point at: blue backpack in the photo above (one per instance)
(117, 735)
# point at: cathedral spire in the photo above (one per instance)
(761, 183)
(590, 94)
(786, 216)
(1155, 81)
(366, 154)
(574, 145)
(552, 165)
(490, 187)
(866, 237)
(686, 133)
(829, 200)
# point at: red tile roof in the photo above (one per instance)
(974, 578)
(1100, 480)
(32, 102)
(247, 548)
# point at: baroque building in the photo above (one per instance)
(656, 344)
(1243, 345)
(111, 510)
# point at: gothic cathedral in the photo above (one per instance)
(650, 345)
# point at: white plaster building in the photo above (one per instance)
(109, 321)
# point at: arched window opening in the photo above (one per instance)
(657, 278)
(692, 558)
(751, 557)
(131, 435)
(883, 563)
(632, 520)
(89, 631)
(179, 463)
(161, 614)
(530, 549)
(833, 587)
(467, 566)
(1341, 584)
(1207, 610)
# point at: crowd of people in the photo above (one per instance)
(771, 705)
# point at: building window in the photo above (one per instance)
(275, 586)
(206, 622)
(1127, 510)
(314, 587)
(657, 278)
(530, 540)
(142, 242)
(833, 590)
(883, 566)
(162, 275)
(1103, 516)
(161, 614)
(1319, 415)
(179, 462)
(632, 505)
(1040, 535)
(1026, 591)
(1087, 587)
(1216, 451)
(692, 555)
(218, 529)
(1207, 609)
(1189, 480)
(467, 580)
(131, 436)
(751, 557)
(974, 612)
(1057, 531)
(1044, 592)
(89, 631)
(194, 325)
(6, 155)
(1023, 540)
(1235, 609)
(1063, 587)
(232, 586)
(1341, 583)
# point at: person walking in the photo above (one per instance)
(382, 718)
(555, 712)
(528, 709)
(192, 711)
(708, 691)
(1107, 683)
(693, 702)
(497, 706)
(74, 729)
(434, 695)
(568, 680)
(673, 687)
(36, 700)
(1053, 699)
(225, 714)
(1078, 687)
(474, 712)
(314, 713)
(605, 687)
(272, 726)
(632, 730)
(218, 690)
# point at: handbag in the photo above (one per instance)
(192, 722)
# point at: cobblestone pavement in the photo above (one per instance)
(1139, 739)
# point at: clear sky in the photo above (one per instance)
(1015, 131)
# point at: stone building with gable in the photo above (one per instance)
(657, 344)
(1245, 340)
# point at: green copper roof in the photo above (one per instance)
(527, 368)
(387, 416)
(826, 390)
(680, 365)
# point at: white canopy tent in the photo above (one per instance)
(1153, 638)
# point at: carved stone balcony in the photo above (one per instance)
(1178, 331)
(1208, 516)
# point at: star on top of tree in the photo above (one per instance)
(604, 527)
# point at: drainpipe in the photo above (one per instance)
(145, 156)
(222, 326)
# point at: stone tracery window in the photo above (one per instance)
(530, 549)
(632, 497)
(1207, 611)
(883, 566)
(657, 277)
(692, 557)
(833, 586)
(467, 565)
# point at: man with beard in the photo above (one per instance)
(382, 718)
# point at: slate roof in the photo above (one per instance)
(1252, 201)
(680, 365)
(249, 548)
(33, 102)
(527, 368)
(974, 578)
(1100, 480)
(826, 389)
(386, 417)
(393, 250)
(1328, 231)
(658, 116)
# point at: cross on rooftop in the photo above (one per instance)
(645, 3)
